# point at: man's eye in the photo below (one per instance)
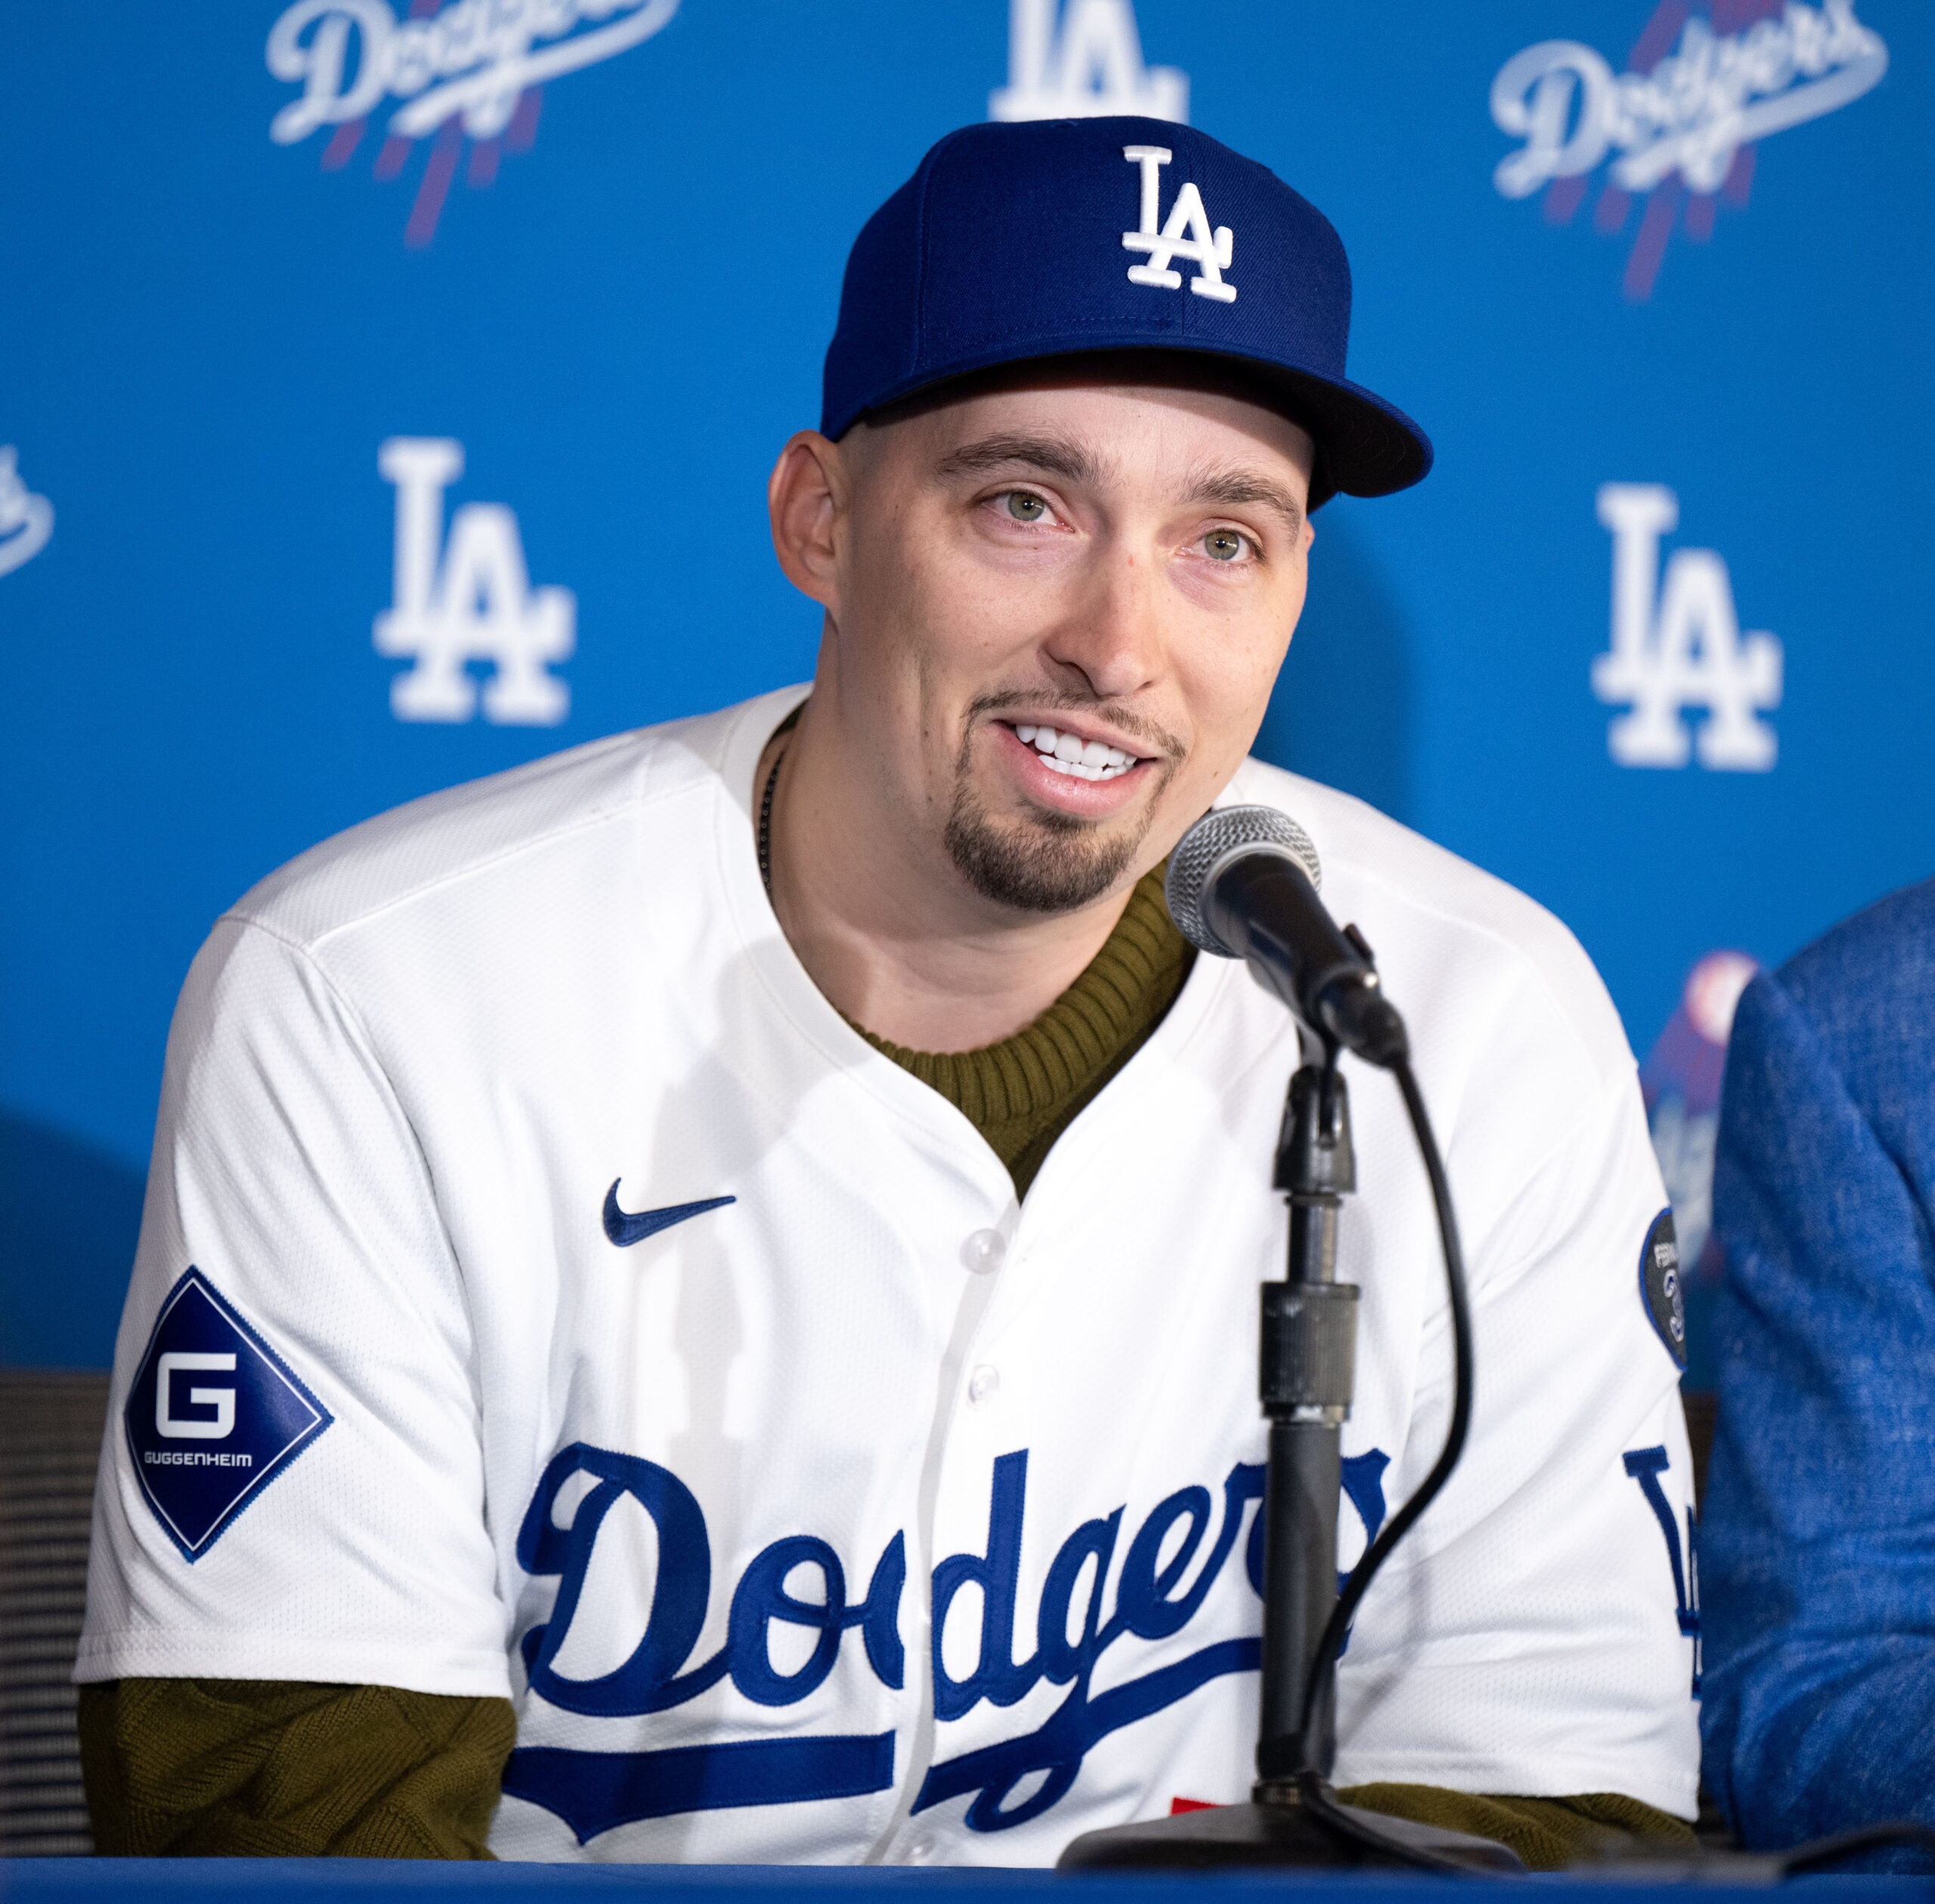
(1025, 507)
(1223, 545)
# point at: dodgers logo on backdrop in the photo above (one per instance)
(214, 1415)
(27, 521)
(1682, 649)
(1087, 1606)
(472, 602)
(470, 74)
(1680, 1085)
(1683, 120)
(1186, 234)
(1089, 66)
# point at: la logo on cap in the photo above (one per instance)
(1186, 234)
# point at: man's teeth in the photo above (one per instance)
(1069, 754)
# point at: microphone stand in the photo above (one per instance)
(1306, 1379)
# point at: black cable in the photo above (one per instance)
(1321, 1802)
(1817, 1853)
(1331, 1642)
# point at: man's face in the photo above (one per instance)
(1058, 611)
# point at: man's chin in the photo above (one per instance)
(1043, 862)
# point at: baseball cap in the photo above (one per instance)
(1049, 238)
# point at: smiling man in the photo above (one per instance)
(697, 1300)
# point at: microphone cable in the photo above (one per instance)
(1819, 1854)
(1313, 1788)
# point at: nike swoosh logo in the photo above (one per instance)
(625, 1229)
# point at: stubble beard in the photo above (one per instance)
(1041, 862)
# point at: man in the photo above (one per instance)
(733, 1252)
(1821, 1504)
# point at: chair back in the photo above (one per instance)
(50, 1446)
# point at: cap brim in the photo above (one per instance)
(1365, 446)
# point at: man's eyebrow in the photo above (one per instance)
(1234, 488)
(1053, 456)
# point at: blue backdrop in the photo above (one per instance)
(1652, 276)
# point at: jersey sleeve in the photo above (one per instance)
(1533, 1634)
(291, 1483)
(1822, 1494)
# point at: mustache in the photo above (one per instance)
(1158, 741)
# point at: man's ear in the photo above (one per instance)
(807, 499)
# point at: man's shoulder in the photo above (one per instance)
(1456, 914)
(1886, 951)
(511, 819)
(1865, 992)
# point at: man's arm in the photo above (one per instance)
(1530, 1636)
(1818, 1546)
(1577, 1411)
(253, 1768)
(290, 1220)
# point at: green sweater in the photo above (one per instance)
(1022, 1094)
(262, 1768)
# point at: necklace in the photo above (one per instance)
(765, 824)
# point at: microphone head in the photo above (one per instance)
(1218, 837)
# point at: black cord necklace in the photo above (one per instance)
(765, 824)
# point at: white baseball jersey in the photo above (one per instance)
(542, 1291)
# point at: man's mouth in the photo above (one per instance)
(1070, 754)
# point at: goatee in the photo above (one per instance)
(1047, 862)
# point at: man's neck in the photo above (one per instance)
(898, 941)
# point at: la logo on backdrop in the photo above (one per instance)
(470, 73)
(1679, 127)
(1088, 66)
(1677, 645)
(470, 599)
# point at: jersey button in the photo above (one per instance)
(982, 1383)
(919, 1851)
(982, 1253)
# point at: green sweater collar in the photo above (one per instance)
(1023, 1092)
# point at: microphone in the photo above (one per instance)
(1243, 884)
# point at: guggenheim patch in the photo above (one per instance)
(214, 1415)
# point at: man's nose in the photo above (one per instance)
(1110, 639)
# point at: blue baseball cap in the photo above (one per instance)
(1051, 238)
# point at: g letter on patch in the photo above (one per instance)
(1660, 1286)
(214, 1415)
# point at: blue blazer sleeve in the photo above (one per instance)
(1818, 1546)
